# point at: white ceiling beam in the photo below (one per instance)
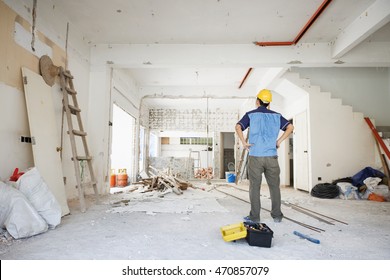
(238, 55)
(372, 19)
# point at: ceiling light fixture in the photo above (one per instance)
(295, 62)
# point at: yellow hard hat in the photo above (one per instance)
(265, 95)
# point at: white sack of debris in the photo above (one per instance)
(17, 215)
(32, 185)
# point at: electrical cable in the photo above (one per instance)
(325, 190)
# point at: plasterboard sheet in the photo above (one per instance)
(43, 131)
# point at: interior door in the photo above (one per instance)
(44, 135)
(301, 157)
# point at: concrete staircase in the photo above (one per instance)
(340, 142)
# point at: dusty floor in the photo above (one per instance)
(143, 226)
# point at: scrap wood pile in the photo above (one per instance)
(165, 183)
(204, 173)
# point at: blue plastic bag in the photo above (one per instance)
(358, 178)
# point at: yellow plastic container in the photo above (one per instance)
(233, 232)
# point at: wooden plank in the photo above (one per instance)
(42, 123)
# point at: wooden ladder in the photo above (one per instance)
(67, 88)
(242, 164)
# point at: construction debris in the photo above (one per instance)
(164, 182)
(204, 173)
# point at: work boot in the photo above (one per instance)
(249, 220)
(278, 219)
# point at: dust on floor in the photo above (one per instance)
(131, 225)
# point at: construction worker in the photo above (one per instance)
(262, 145)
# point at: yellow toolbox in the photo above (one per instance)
(233, 232)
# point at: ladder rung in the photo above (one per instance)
(70, 91)
(83, 158)
(67, 73)
(79, 133)
(74, 109)
(87, 184)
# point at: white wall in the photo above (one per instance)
(13, 115)
(341, 142)
(51, 25)
(109, 86)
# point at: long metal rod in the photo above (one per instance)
(287, 218)
(310, 214)
(320, 214)
(303, 208)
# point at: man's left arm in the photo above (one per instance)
(286, 133)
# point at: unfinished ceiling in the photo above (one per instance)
(222, 22)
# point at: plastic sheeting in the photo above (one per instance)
(17, 214)
(32, 185)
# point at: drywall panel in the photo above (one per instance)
(44, 133)
(13, 116)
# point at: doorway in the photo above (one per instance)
(123, 141)
(227, 153)
(301, 157)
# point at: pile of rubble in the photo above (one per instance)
(204, 173)
(164, 182)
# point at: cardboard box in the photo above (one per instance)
(259, 234)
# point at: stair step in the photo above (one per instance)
(314, 89)
(336, 101)
(347, 108)
(358, 115)
(325, 94)
(297, 80)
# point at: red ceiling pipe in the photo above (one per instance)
(245, 77)
(303, 30)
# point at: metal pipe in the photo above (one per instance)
(313, 18)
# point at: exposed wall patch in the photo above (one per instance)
(34, 17)
(22, 38)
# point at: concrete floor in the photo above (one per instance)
(134, 226)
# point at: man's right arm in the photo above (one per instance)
(241, 136)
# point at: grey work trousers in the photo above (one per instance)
(270, 167)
